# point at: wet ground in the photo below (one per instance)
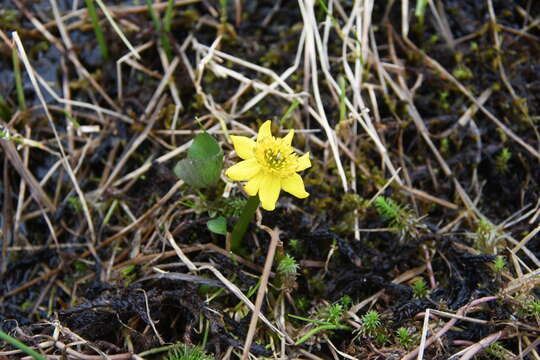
(108, 293)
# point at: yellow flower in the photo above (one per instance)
(269, 165)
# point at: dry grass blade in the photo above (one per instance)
(437, 67)
(311, 58)
(418, 352)
(117, 29)
(423, 186)
(35, 188)
(133, 146)
(274, 240)
(78, 66)
(66, 164)
(238, 293)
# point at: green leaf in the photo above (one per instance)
(218, 225)
(204, 145)
(203, 164)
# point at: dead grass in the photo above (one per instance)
(86, 179)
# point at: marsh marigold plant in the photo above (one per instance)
(269, 165)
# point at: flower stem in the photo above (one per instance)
(241, 226)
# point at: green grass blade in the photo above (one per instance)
(167, 20)
(318, 329)
(21, 346)
(342, 96)
(159, 27)
(420, 10)
(313, 321)
(18, 79)
(289, 111)
(97, 30)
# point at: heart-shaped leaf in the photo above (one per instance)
(203, 164)
(218, 225)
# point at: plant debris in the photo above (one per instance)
(420, 235)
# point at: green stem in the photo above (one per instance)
(241, 226)
(321, 328)
(157, 350)
(21, 346)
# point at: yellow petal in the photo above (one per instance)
(252, 186)
(294, 185)
(303, 162)
(244, 170)
(288, 137)
(269, 191)
(265, 130)
(243, 146)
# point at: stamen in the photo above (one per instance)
(276, 157)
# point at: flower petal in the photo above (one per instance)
(265, 130)
(269, 191)
(243, 146)
(252, 186)
(294, 185)
(288, 138)
(244, 170)
(303, 162)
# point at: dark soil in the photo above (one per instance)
(104, 288)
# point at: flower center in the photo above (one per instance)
(276, 156)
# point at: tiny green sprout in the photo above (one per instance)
(288, 271)
(501, 161)
(420, 10)
(404, 337)
(496, 350)
(185, 352)
(75, 203)
(485, 235)
(4, 133)
(334, 313)
(445, 146)
(129, 274)
(398, 216)
(346, 301)
(461, 72)
(420, 288)
(80, 266)
(381, 338)
(233, 206)
(296, 245)
(370, 322)
(288, 266)
(534, 307)
(443, 95)
(126, 271)
(223, 6)
(301, 303)
(484, 228)
(499, 263)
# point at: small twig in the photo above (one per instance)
(274, 241)
(429, 268)
(463, 310)
(482, 344)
